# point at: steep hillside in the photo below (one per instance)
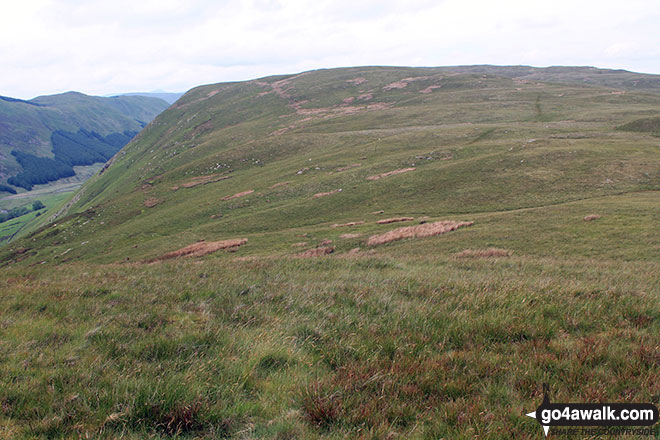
(27, 127)
(371, 252)
(478, 143)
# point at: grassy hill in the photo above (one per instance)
(266, 260)
(168, 97)
(27, 126)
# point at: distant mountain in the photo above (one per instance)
(170, 98)
(43, 138)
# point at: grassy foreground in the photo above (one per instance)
(360, 347)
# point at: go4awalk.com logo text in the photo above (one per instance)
(596, 418)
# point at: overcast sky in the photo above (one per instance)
(113, 46)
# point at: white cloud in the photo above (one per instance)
(108, 46)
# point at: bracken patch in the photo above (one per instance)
(237, 195)
(419, 231)
(391, 173)
(201, 180)
(202, 248)
(341, 225)
(394, 220)
(317, 195)
(317, 252)
(484, 253)
(151, 202)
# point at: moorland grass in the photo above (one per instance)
(360, 347)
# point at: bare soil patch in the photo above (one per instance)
(391, 173)
(419, 231)
(591, 217)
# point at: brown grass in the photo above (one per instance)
(357, 81)
(391, 173)
(348, 167)
(317, 195)
(419, 231)
(349, 236)
(341, 225)
(237, 195)
(202, 248)
(317, 252)
(591, 217)
(152, 201)
(299, 244)
(201, 180)
(429, 89)
(277, 185)
(386, 221)
(484, 253)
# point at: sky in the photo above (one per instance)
(103, 47)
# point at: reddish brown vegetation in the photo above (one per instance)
(357, 81)
(484, 253)
(394, 220)
(317, 195)
(317, 252)
(348, 167)
(591, 217)
(341, 225)
(429, 89)
(201, 180)
(299, 244)
(402, 84)
(419, 231)
(237, 195)
(151, 202)
(277, 185)
(391, 173)
(202, 248)
(379, 396)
